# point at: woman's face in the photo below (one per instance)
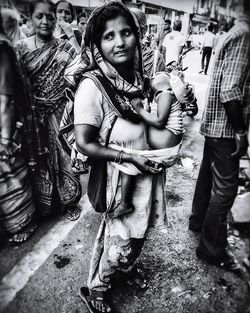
(118, 42)
(43, 20)
(63, 12)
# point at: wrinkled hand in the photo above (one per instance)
(241, 145)
(147, 166)
(67, 28)
(8, 152)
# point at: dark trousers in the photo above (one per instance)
(216, 189)
(206, 54)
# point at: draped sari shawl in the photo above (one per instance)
(45, 68)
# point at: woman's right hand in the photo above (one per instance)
(145, 165)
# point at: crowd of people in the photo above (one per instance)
(67, 95)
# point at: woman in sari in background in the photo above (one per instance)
(45, 60)
(64, 30)
(17, 141)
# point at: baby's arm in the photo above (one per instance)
(164, 102)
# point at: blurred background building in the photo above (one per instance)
(195, 13)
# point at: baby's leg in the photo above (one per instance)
(125, 206)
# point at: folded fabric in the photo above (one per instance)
(167, 156)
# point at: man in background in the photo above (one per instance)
(206, 48)
(173, 44)
(166, 28)
(224, 124)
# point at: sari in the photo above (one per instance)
(17, 207)
(55, 183)
(119, 241)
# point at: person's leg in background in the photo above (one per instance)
(202, 61)
(202, 192)
(225, 171)
(208, 56)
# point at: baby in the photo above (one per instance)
(164, 132)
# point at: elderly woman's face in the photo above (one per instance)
(43, 20)
(118, 42)
(63, 12)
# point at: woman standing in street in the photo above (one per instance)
(114, 47)
(45, 60)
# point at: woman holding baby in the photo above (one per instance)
(113, 45)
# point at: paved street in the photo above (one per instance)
(44, 275)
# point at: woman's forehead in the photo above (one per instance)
(63, 5)
(42, 7)
(116, 23)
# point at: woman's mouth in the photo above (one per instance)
(121, 52)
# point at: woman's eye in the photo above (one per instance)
(126, 33)
(39, 16)
(108, 37)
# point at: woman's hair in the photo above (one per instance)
(70, 7)
(110, 12)
(34, 3)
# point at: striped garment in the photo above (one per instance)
(230, 81)
(56, 185)
(16, 205)
(175, 118)
(148, 55)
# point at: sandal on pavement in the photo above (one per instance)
(137, 278)
(22, 236)
(97, 296)
(73, 213)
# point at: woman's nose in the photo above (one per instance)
(45, 19)
(119, 40)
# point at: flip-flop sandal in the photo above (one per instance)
(87, 298)
(73, 214)
(22, 236)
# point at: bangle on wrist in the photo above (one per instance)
(71, 36)
(118, 157)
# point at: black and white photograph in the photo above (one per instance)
(124, 156)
